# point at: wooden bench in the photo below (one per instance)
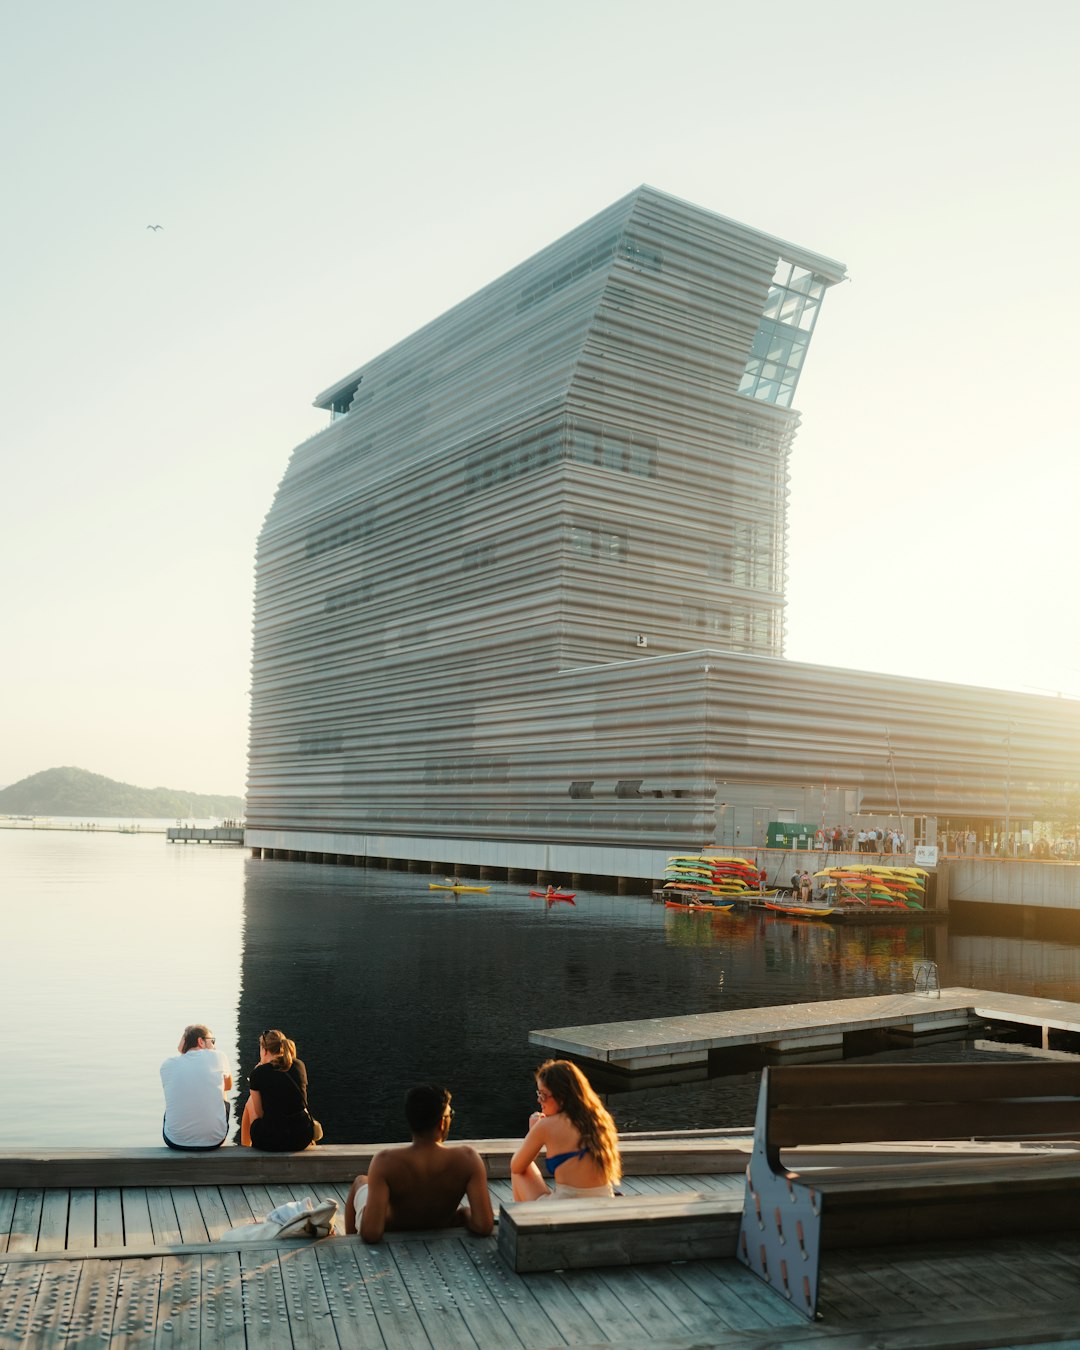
(788, 1215)
(576, 1234)
(160, 1166)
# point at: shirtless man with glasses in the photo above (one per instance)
(422, 1184)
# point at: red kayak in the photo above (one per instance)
(554, 895)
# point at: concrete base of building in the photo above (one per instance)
(628, 870)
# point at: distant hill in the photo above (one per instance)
(75, 792)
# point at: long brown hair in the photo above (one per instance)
(586, 1112)
(279, 1047)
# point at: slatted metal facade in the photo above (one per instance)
(529, 582)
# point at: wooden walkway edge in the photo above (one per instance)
(229, 1166)
(457, 1295)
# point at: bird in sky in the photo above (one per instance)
(155, 227)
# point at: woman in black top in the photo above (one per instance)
(276, 1117)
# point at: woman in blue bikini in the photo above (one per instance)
(576, 1134)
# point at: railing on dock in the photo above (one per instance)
(217, 834)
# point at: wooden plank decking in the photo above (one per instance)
(453, 1293)
(138, 1266)
(670, 1042)
(141, 1219)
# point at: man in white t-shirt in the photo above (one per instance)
(196, 1082)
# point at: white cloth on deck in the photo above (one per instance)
(296, 1218)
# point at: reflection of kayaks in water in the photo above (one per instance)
(555, 895)
(805, 911)
(679, 904)
(434, 886)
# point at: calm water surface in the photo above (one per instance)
(112, 943)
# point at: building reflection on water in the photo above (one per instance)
(383, 983)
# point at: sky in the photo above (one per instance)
(330, 176)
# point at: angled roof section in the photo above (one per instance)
(538, 313)
(684, 303)
(508, 348)
(739, 235)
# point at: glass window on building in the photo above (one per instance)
(718, 563)
(752, 556)
(713, 621)
(779, 346)
(607, 543)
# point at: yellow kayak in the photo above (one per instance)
(434, 886)
(804, 911)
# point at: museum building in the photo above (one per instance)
(521, 602)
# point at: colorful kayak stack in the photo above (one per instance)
(896, 887)
(704, 876)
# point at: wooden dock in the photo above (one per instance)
(216, 834)
(658, 1043)
(140, 1266)
(884, 916)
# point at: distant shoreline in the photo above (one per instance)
(100, 824)
(87, 827)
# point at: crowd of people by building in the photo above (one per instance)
(847, 839)
(875, 839)
(967, 842)
(423, 1184)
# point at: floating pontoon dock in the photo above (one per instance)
(674, 1042)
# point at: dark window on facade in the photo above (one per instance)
(579, 266)
(321, 743)
(348, 597)
(525, 452)
(484, 553)
(347, 527)
(607, 447)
